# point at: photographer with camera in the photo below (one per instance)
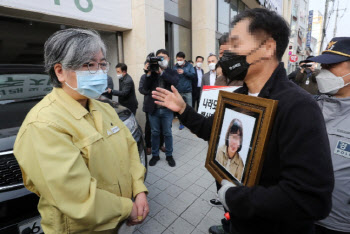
(158, 74)
(306, 76)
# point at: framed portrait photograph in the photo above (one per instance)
(240, 133)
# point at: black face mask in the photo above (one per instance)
(234, 66)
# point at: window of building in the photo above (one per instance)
(182, 41)
(178, 8)
(178, 35)
(223, 20)
(226, 11)
(22, 42)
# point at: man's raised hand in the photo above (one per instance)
(170, 100)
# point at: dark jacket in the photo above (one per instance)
(185, 80)
(126, 93)
(311, 85)
(109, 85)
(148, 84)
(293, 74)
(195, 91)
(297, 179)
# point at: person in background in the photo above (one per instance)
(186, 76)
(334, 83)
(160, 118)
(110, 85)
(209, 78)
(126, 92)
(197, 83)
(74, 151)
(218, 70)
(221, 79)
(223, 44)
(306, 76)
(191, 62)
(146, 97)
(296, 181)
(293, 74)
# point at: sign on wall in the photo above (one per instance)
(108, 12)
(309, 29)
(293, 58)
(209, 98)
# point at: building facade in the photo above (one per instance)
(131, 28)
(317, 26)
(299, 29)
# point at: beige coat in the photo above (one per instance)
(83, 165)
(235, 166)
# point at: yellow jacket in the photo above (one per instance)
(84, 165)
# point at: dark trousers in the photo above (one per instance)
(196, 97)
(148, 134)
(322, 230)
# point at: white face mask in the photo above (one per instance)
(329, 83)
(212, 66)
(199, 65)
(180, 63)
(163, 64)
(119, 76)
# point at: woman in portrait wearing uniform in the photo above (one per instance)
(228, 154)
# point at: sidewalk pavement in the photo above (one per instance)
(179, 196)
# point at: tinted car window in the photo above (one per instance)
(21, 87)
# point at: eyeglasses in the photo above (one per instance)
(93, 67)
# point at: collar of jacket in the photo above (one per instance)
(340, 106)
(124, 77)
(183, 66)
(74, 107)
(278, 75)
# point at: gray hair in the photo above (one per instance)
(72, 48)
(211, 54)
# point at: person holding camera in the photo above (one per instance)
(306, 76)
(158, 74)
(186, 75)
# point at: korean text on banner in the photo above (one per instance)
(209, 98)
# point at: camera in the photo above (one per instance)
(153, 62)
(306, 65)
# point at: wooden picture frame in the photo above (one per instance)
(239, 137)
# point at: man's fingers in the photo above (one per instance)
(161, 90)
(160, 103)
(174, 90)
(162, 95)
(159, 98)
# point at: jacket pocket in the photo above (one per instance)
(89, 140)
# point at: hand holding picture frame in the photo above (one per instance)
(239, 137)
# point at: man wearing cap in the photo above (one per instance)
(306, 76)
(334, 102)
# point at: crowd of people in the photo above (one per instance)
(77, 155)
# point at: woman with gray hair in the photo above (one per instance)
(74, 151)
